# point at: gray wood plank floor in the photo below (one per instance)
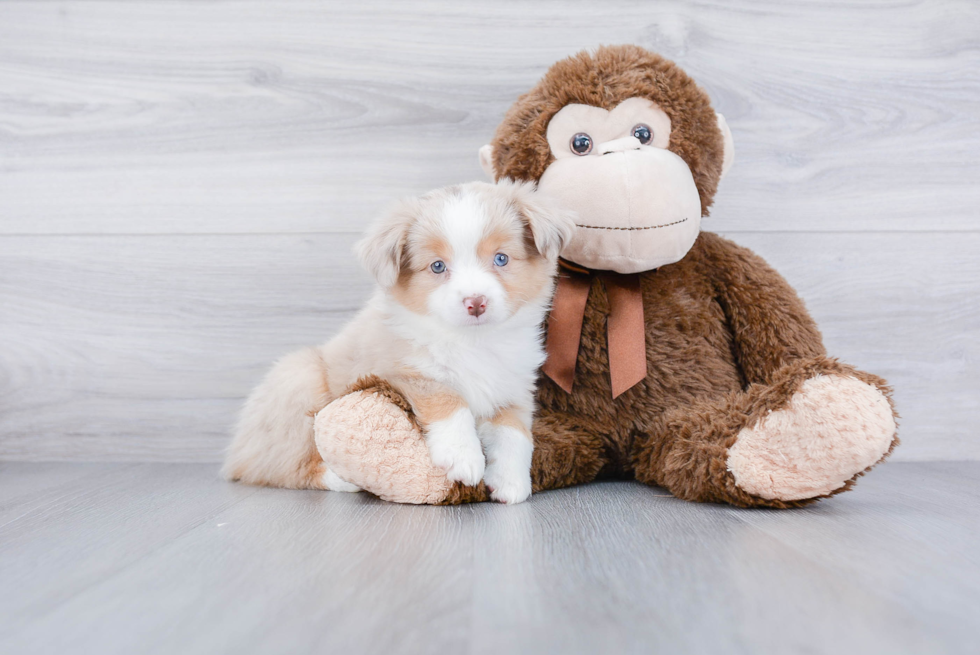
(166, 558)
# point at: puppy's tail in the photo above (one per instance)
(273, 444)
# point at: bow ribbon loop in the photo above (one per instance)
(625, 328)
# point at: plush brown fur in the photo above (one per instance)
(727, 339)
(727, 342)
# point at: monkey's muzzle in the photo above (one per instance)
(638, 207)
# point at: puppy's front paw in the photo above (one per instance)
(461, 464)
(508, 486)
(454, 447)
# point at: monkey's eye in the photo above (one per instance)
(643, 133)
(438, 266)
(500, 259)
(581, 144)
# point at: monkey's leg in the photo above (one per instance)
(567, 451)
(808, 434)
(371, 439)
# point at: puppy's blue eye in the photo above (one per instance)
(438, 266)
(500, 259)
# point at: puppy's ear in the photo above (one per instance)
(551, 227)
(382, 250)
(486, 162)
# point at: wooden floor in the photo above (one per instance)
(166, 558)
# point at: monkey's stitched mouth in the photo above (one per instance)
(631, 229)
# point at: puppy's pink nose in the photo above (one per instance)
(475, 305)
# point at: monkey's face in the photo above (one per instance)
(626, 140)
(636, 201)
(637, 204)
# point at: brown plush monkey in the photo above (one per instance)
(675, 356)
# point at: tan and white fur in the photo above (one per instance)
(465, 277)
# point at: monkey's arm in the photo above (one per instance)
(770, 325)
(803, 427)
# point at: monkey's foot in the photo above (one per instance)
(369, 440)
(834, 428)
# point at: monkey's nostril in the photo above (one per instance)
(619, 145)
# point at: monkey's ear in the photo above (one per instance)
(726, 134)
(551, 226)
(486, 162)
(382, 249)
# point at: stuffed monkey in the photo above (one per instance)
(675, 357)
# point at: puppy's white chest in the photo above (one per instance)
(488, 374)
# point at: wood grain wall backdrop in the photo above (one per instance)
(180, 184)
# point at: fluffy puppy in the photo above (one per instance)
(465, 276)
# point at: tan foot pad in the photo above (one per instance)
(372, 443)
(834, 428)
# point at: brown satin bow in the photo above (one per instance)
(625, 329)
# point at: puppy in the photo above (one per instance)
(465, 276)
